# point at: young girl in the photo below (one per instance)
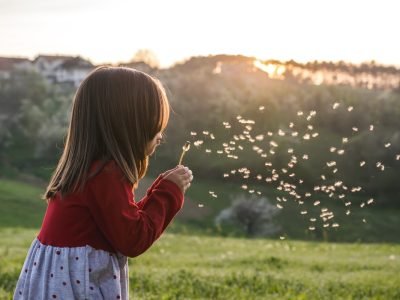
(92, 223)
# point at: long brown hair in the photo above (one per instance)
(116, 112)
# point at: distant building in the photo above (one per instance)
(63, 69)
(57, 69)
(10, 64)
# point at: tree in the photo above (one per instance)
(252, 215)
(147, 56)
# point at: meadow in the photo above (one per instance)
(190, 264)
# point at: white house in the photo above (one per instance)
(10, 64)
(63, 69)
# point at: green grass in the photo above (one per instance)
(187, 264)
(20, 204)
(192, 267)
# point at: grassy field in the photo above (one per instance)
(191, 267)
(186, 263)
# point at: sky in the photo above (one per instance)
(113, 31)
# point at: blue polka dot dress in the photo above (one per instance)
(72, 273)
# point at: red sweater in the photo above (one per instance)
(105, 216)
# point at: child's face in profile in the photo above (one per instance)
(151, 146)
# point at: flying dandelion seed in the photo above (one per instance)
(340, 152)
(347, 212)
(335, 225)
(347, 203)
(316, 203)
(226, 175)
(310, 127)
(354, 129)
(208, 150)
(303, 212)
(305, 156)
(198, 143)
(315, 134)
(244, 186)
(290, 150)
(370, 201)
(388, 145)
(313, 219)
(295, 133)
(364, 221)
(200, 205)
(371, 127)
(192, 133)
(306, 136)
(300, 113)
(281, 132)
(335, 105)
(261, 108)
(311, 228)
(350, 108)
(291, 124)
(282, 237)
(279, 206)
(332, 149)
(362, 163)
(345, 140)
(398, 157)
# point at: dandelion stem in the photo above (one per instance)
(185, 148)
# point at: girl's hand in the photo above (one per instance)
(181, 176)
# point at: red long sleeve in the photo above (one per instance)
(105, 215)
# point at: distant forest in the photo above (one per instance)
(208, 93)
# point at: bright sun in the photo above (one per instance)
(273, 70)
